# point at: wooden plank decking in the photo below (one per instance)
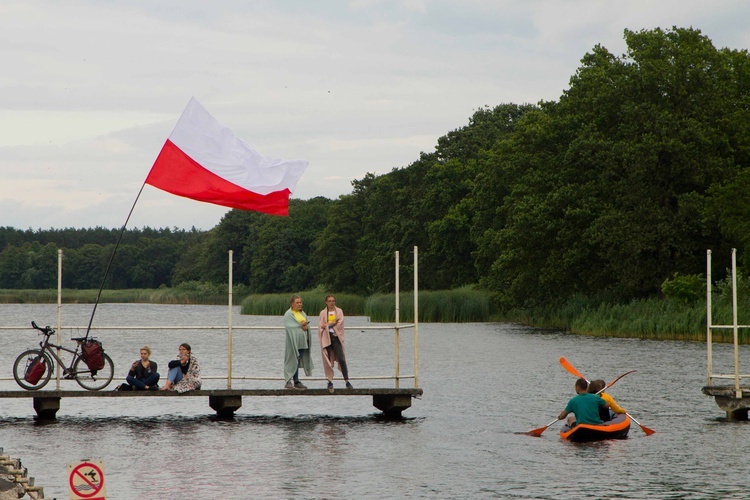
(224, 401)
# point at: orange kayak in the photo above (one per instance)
(617, 428)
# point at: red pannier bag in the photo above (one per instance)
(93, 354)
(35, 370)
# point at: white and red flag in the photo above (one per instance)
(203, 160)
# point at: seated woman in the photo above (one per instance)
(184, 372)
(143, 375)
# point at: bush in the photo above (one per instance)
(686, 289)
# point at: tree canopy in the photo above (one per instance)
(627, 179)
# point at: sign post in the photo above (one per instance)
(86, 480)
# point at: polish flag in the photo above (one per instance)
(203, 160)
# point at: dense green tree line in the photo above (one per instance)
(627, 179)
(145, 258)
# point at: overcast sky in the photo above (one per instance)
(91, 89)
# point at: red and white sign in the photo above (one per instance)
(86, 480)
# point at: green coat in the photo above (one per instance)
(296, 339)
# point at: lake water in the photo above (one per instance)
(484, 385)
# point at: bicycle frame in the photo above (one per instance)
(52, 349)
(49, 347)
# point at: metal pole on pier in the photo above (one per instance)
(59, 309)
(416, 317)
(709, 334)
(397, 320)
(735, 328)
(229, 334)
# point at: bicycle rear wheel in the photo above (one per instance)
(94, 380)
(22, 365)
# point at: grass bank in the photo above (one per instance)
(147, 296)
(654, 318)
(446, 306)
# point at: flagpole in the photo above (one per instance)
(111, 258)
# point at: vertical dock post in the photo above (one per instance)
(46, 407)
(391, 405)
(225, 406)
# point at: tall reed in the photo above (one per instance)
(461, 305)
(133, 295)
(654, 318)
(276, 304)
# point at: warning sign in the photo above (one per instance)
(86, 480)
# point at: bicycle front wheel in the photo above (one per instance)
(94, 380)
(22, 370)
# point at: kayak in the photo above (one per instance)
(617, 428)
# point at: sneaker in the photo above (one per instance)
(348, 385)
(330, 387)
(289, 385)
(299, 385)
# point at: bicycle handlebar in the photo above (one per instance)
(46, 330)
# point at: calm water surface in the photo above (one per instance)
(484, 384)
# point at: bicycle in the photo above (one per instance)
(92, 380)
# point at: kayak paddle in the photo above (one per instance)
(538, 432)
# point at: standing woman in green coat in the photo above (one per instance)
(297, 351)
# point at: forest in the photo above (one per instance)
(620, 185)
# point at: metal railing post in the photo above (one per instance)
(229, 333)
(398, 368)
(416, 316)
(735, 328)
(59, 310)
(709, 334)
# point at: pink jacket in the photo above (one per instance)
(329, 358)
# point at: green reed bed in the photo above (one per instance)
(655, 318)
(645, 319)
(462, 305)
(149, 296)
(276, 304)
(559, 316)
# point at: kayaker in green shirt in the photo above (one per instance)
(584, 406)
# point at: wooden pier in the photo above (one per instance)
(735, 403)
(223, 401)
(733, 399)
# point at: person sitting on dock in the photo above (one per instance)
(184, 371)
(605, 414)
(297, 349)
(331, 337)
(143, 375)
(584, 406)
